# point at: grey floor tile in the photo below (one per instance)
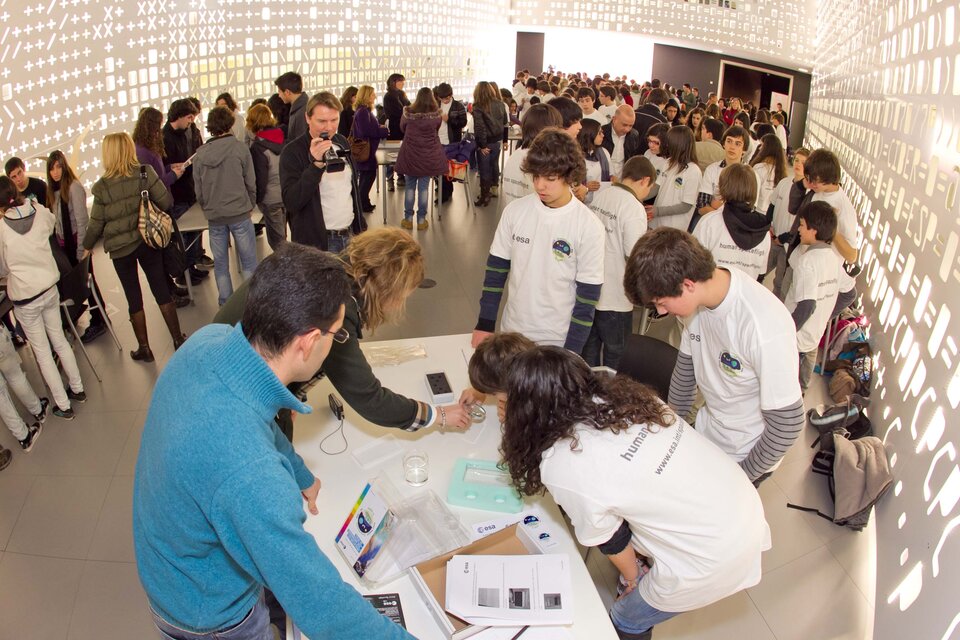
(38, 596)
(857, 554)
(791, 536)
(59, 516)
(13, 493)
(88, 445)
(113, 535)
(110, 603)
(126, 466)
(812, 597)
(732, 617)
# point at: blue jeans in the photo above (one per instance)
(256, 626)
(336, 244)
(245, 240)
(416, 187)
(608, 337)
(632, 615)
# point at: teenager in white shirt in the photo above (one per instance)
(770, 166)
(822, 177)
(783, 222)
(657, 150)
(620, 209)
(739, 347)
(737, 235)
(776, 120)
(585, 98)
(547, 252)
(813, 290)
(636, 481)
(679, 184)
(516, 183)
(598, 162)
(735, 140)
(608, 103)
(32, 275)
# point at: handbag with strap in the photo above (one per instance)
(359, 148)
(155, 226)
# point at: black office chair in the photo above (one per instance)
(649, 361)
(75, 288)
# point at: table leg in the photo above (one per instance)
(383, 191)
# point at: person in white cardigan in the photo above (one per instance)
(32, 275)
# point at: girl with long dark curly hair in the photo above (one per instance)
(634, 479)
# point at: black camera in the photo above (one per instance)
(333, 158)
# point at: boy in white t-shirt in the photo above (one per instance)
(608, 103)
(547, 252)
(813, 290)
(585, 98)
(821, 175)
(739, 346)
(620, 209)
(737, 235)
(694, 531)
(735, 141)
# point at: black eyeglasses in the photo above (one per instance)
(341, 335)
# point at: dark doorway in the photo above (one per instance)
(752, 84)
(530, 52)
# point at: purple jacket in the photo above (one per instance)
(148, 157)
(421, 154)
(366, 127)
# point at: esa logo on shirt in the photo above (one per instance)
(730, 364)
(561, 249)
(678, 182)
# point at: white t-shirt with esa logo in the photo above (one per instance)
(677, 186)
(745, 360)
(549, 250)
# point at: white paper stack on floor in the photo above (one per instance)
(510, 590)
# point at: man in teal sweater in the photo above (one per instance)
(217, 508)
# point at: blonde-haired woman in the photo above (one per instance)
(115, 218)
(366, 127)
(386, 266)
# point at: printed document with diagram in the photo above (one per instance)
(510, 590)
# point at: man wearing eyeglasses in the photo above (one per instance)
(218, 514)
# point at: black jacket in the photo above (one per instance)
(299, 182)
(178, 145)
(632, 143)
(393, 103)
(456, 121)
(647, 116)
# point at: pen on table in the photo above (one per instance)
(520, 633)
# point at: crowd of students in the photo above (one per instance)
(619, 194)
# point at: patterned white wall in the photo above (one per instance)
(778, 31)
(74, 66)
(886, 98)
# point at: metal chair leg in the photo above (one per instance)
(73, 329)
(103, 314)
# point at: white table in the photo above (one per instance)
(194, 220)
(342, 479)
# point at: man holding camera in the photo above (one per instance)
(318, 181)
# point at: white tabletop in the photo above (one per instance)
(194, 220)
(342, 479)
